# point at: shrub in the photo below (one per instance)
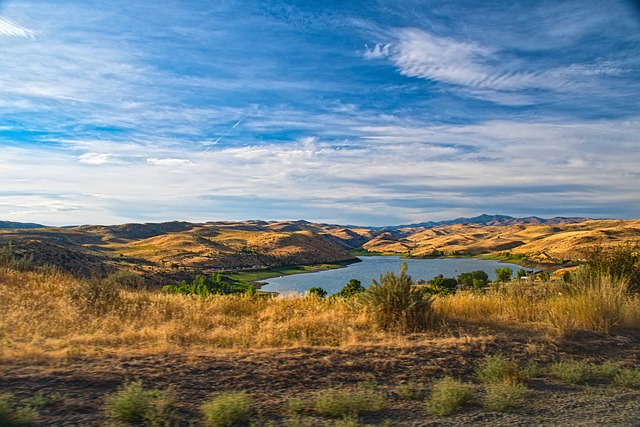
(477, 279)
(531, 369)
(134, 403)
(296, 405)
(125, 279)
(628, 377)
(592, 302)
(97, 296)
(572, 372)
(205, 286)
(10, 416)
(497, 369)
(42, 400)
(341, 403)
(411, 390)
(447, 396)
(442, 285)
(504, 274)
(227, 409)
(504, 396)
(620, 262)
(397, 304)
(608, 370)
(352, 288)
(317, 292)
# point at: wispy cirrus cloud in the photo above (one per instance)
(13, 29)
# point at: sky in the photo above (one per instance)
(345, 112)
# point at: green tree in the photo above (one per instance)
(350, 289)
(317, 292)
(504, 274)
(442, 285)
(476, 279)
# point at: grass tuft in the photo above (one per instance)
(572, 372)
(411, 390)
(10, 416)
(447, 396)
(504, 396)
(628, 377)
(497, 369)
(344, 403)
(227, 409)
(136, 404)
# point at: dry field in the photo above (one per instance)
(80, 340)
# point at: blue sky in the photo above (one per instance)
(348, 112)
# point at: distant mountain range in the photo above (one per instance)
(495, 219)
(483, 219)
(10, 224)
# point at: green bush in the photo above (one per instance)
(133, 403)
(628, 377)
(342, 403)
(354, 287)
(19, 263)
(43, 400)
(397, 303)
(216, 284)
(227, 409)
(572, 372)
(607, 370)
(296, 405)
(504, 274)
(10, 416)
(619, 262)
(441, 285)
(497, 369)
(411, 390)
(447, 396)
(531, 369)
(477, 279)
(317, 292)
(504, 396)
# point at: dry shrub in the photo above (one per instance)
(590, 302)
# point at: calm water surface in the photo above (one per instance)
(372, 267)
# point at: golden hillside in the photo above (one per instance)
(538, 242)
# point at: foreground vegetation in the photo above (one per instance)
(499, 385)
(48, 311)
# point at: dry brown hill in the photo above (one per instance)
(540, 242)
(177, 246)
(182, 247)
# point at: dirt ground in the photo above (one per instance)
(273, 376)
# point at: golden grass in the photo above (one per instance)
(50, 312)
(597, 304)
(53, 312)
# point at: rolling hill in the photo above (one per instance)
(183, 248)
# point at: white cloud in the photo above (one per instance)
(95, 158)
(168, 162)
(12, 29)
(379, 51)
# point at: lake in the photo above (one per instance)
(372, 267)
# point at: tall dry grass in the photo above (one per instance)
(47, 311)
(54, 312)
(591, 302)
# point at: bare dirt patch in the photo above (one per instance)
(272, 376)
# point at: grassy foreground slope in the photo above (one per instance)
(527, 352)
